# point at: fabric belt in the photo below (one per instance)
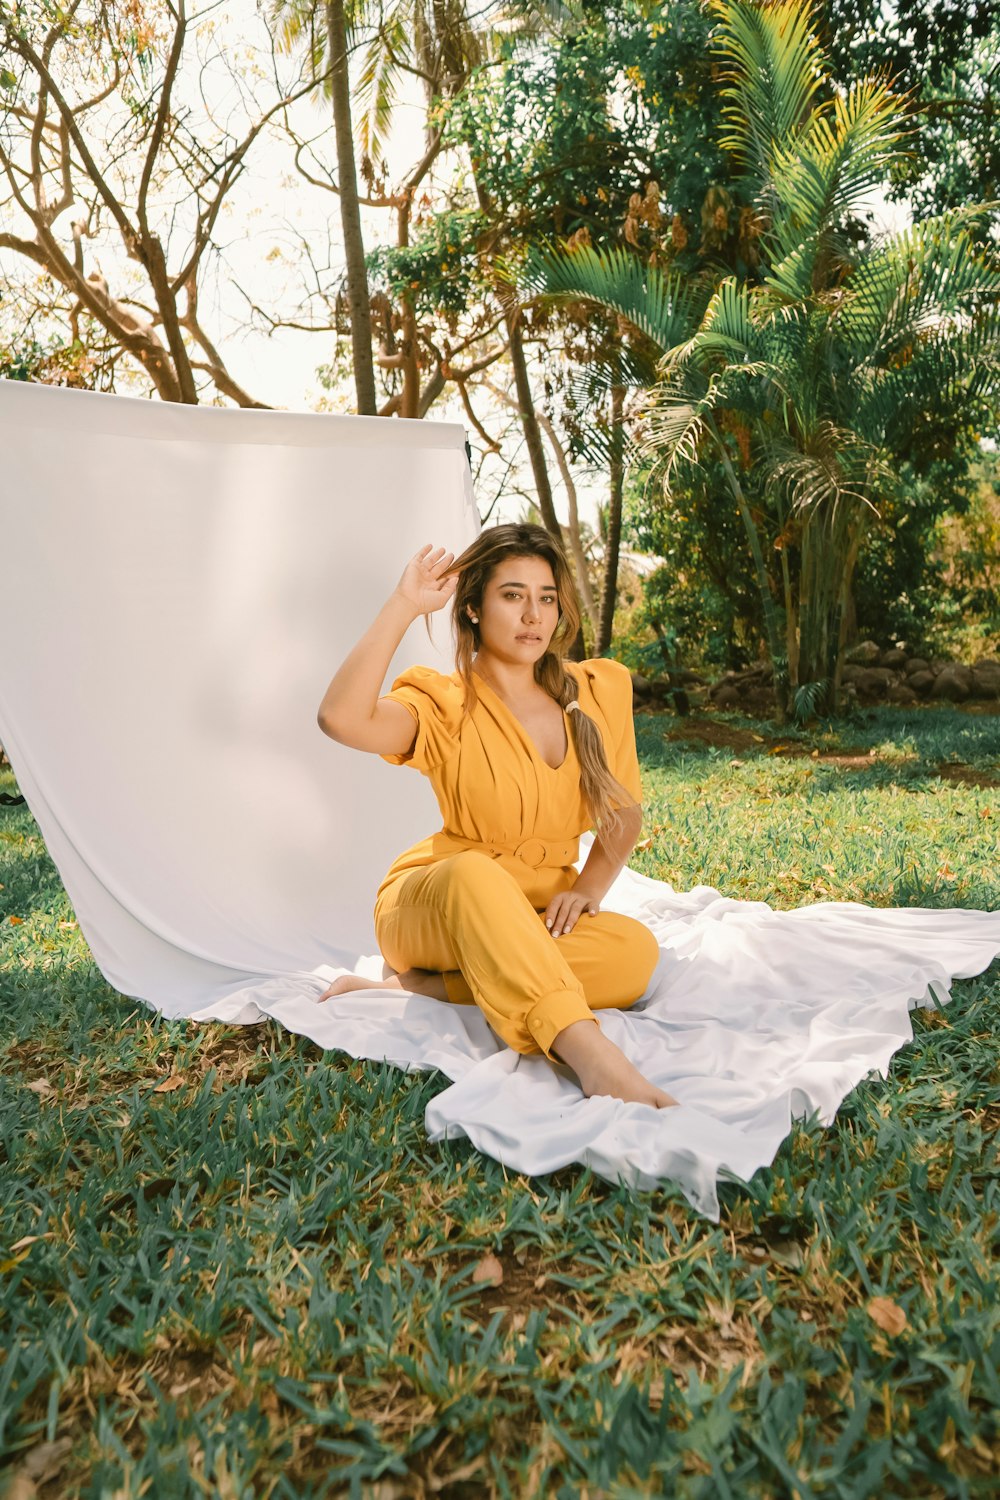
(534, 852)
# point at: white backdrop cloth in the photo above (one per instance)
(179, 586)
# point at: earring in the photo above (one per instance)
(474, 619)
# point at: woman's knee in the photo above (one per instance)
(652, 952)
(638, 958)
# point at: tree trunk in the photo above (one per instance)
(532, 431)
(350, 213)
(573, 527)
(409, 405)
(830, 543)
(779, 661)
(612, 544)
(536, 451)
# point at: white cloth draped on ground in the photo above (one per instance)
(181, 584)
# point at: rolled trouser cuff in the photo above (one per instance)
(552, 1014)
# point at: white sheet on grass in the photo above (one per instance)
(179, 586)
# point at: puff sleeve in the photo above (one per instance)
(611, 684)
(436, 703)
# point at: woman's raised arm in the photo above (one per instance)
(351, 711)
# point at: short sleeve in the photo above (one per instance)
(436, 703)
(611, 684)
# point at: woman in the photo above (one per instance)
(525, 751)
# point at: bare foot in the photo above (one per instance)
(603, 1068)
(348, 982)
(414, 981)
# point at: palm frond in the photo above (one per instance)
(809, 699)
(826, 466)
(662, 307)
(914, 283)
(377, 89)
(726, 330)
(833, 165)
(774, 68)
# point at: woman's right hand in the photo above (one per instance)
(426, 583)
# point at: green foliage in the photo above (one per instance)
(929, 571)
(55, 362)
(705, 596)
(814, 375)
(439, 269)
(562, 137)
(21, 363)
(943, 54)
(261, 1283)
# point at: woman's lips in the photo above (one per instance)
(527, 638)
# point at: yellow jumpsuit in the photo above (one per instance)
(470, 900)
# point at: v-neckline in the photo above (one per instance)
(529, 737)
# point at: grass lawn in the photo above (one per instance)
(232, 1265)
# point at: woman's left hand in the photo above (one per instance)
(563, 910)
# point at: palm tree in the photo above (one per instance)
(806, 382)
(325, 28)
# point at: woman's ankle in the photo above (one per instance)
(429, 982)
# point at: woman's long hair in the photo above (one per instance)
(475, 568)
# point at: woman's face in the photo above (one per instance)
(520, 610)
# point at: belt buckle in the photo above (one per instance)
(529, 850)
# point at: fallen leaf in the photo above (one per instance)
(790, 1255)
(183, 1387)
(889, 1316)
(16, 921)
(646, 844)
(168, 1085)
(47, 1460)
(8, 1265)
(40, 1086)
(777, 749)
(489, 1269)
(29, 1239)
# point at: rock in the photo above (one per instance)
(986, 679)
(874, 682)
(894, 658)
(864, 654)
(938, 664)
(692, 679)
(917, 664)
(851, 673)
(953, 682)
(641, 685)
(921, 682)
(900, 692)
(726, 696)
